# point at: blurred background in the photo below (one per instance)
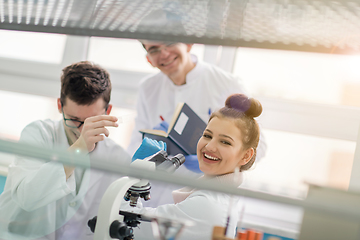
(310, 100)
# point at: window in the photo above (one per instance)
(40, 47)
(121, 135)
(310, 77)
(293, 159)
(24, 109)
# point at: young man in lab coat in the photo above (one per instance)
(53, 201)
(182, 78)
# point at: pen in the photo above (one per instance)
(162, 119)
(209, 112)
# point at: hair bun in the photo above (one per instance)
(240, 102)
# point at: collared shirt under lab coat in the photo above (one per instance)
(206, 88)
(205, 209)
(39, 203)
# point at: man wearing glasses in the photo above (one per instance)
(53, 201)
(182, 78)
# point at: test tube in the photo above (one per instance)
(250, 234)
(241, 235)
(258, 235)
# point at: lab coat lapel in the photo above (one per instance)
(90, 176)
(61, 139)
(94, 175)
(84, 186)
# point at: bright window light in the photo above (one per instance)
(125, 54)
(292, 160)
(24, 108)
(31, 46)
(309, 77)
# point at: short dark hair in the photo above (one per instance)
(85, 82)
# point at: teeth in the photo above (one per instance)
(165, 64)
(210, 157)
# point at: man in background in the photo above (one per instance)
(182, 78)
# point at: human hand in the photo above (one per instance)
(192, 163)
(93, 131)
(147, 148)
(162, 126)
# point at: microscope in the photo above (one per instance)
(114, 224)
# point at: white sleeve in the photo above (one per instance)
(35, 183)
(197, 208)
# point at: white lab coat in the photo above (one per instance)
(39, 203)
(205, 209)
(206, 88)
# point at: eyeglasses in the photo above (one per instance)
(155, 51)
(72, 123)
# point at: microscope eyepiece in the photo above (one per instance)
(178, 160)
(170, 165)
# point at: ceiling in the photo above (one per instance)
(302, 25)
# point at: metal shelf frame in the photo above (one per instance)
(82, 161)
(302, 25)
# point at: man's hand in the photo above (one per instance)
(93, 131)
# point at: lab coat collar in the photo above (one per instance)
(231, 178)
(192, 76)
(195, 72)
